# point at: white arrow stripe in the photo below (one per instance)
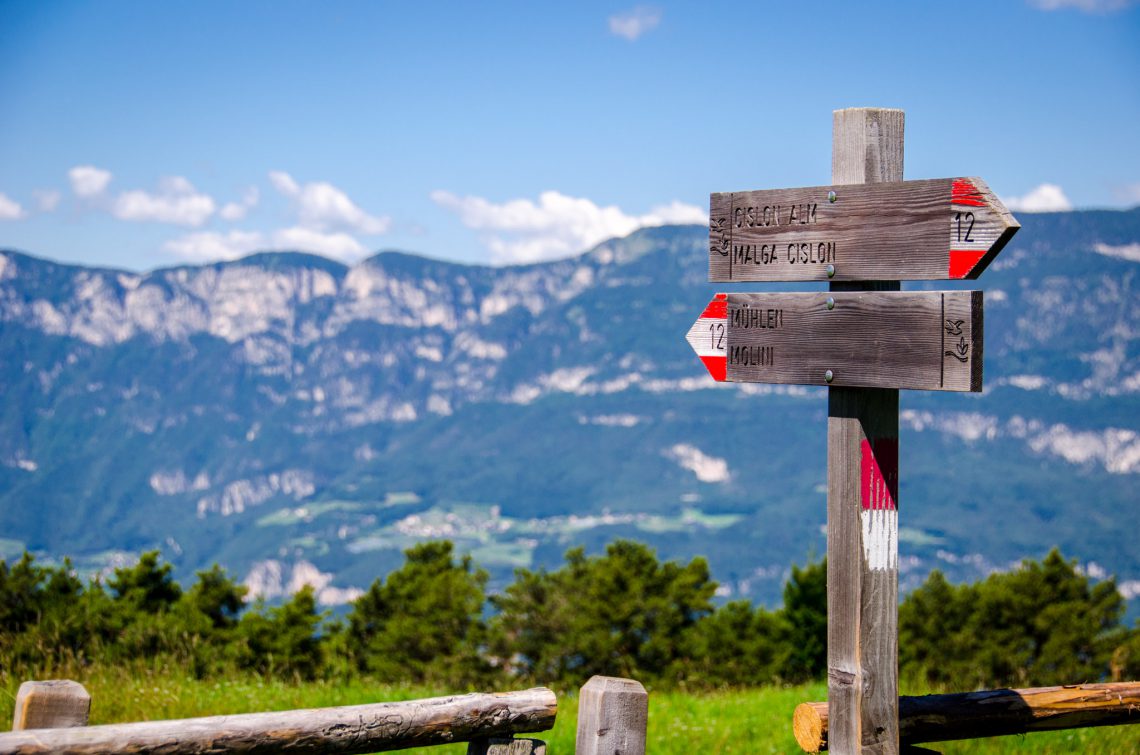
(709, 337)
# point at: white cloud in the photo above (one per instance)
(10, 209)
(238, 210)
(520, 230)
(233, 211)
(632, 24)
(675, 213)
(210, 246)
(1130, 252)
(1087, 6)
(1044, 198)
(284, 183)
(323, 207)
(326, 220)
(177, 201)
(46, 199)
(88, 181)
(340, 246)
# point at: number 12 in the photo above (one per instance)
(716, 335)
(969, 218)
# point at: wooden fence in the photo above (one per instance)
(613, 715)
(990, 713)
(51, 717)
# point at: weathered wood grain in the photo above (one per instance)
(990, 713)
(862, 567)
(54, 704)
(862, 493)
(350, 729)
(928, 340)
(867, 145)
(613, 715)
(938, 229)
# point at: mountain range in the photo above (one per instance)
(302, 421)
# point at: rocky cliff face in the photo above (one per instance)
(289, 415)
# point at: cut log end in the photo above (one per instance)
(809, 725)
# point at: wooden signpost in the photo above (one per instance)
(865, 339)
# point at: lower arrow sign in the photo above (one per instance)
(928, 340)
(708, 336)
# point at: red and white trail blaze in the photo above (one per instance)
(879, 484)
(969, 239)
(709, 337)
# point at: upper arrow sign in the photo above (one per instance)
(940, 229)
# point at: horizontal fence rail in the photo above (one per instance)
(991, 713)
(349, 729)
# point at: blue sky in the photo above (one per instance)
(142, 134)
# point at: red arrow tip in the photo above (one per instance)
(717, 367)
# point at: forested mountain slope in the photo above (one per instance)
(301, 421)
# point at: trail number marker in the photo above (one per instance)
(941, 229)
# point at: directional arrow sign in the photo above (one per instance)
(939, 229)
(927, 340)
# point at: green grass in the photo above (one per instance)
(680, 723)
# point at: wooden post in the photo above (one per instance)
(990, 713)
(55, 704)
(862, 493)
(613, 715)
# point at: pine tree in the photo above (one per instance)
(424, 622)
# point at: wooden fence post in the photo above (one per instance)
(613, 714)
(862, 494)
(56, 704)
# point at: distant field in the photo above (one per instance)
(747, 721)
